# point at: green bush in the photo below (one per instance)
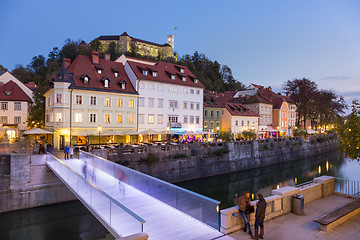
(249, 134)
(226, 136)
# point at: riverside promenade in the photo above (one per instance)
(294, 227)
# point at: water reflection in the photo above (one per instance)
(224, 187)
(57, 222)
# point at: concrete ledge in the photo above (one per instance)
(137, 236)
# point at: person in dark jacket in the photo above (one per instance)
(259, 217)
(243, 204)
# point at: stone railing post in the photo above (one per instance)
(286, 193)
(327, 185)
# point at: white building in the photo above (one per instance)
(170, 96)
(15, 105)
(91, 101)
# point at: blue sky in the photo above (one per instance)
(264, 42)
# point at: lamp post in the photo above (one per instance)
(99, 129)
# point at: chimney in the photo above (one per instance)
(67, 62)
(94, 57)
(107, 56)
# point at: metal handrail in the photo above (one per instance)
(169, 184)
(138, 218)
(305, 183)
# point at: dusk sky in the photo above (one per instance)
(263, 42)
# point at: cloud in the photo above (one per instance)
(355, 94)
(334, 78)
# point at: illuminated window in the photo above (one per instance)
(116, 74)
(119, 118)
(154, 74)
(120, 102)
(145, 73)
(151, 118)
(172, 104)
(107, 102)
(78, 117)
(172, 77)
(59, 98)
(131, 118)
(160, 118)
(123, 85)
(99, 71)
(131, 103)
(78, 99)
(106, 83)
(185, 105)
(182, 70)
(107, 118)
(59, 117)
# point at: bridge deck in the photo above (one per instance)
(162, 220)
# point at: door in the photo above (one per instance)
(62, 142)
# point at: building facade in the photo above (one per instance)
(91, 101)
(170, 96)
(213, 111)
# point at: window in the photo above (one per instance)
(191, 105)
(123, 85)
(217, 113)
(173, 119)
(205, 124)
(185, 119)
(47, 119)
(160, 103)
(197, 119)
(197, 91)
(151, 118)
(205, 113)
(49, 101)
(154, 74)
(151, 102)
(141, 102)
(116, 74)
(78, 117)
(131, 103)
(93, 100)
(172, 104)
(160, 118)
(196, 81)
(141, 85)
(106, 83)
(185, 105)
(191, 91)
(173, 88)
(3, 119)
(120, 102)
(131, 118)
(197, 106)
(17, 120)
(145, 72)
(191, 119)
(107, 118)
(99, 71)
(182, 70)
(186, 90)
(236, 123)
(242, 123)
(59, 98)
(86, 80)
(119, 118)
(248, 123)
(212, 113)
(183, 79)
(141, 118)
(78, 99)
(161, 87)
(59, 117)
(92, 117)
(107, 102)
(151, 86)
(17, 106)
(172, 77)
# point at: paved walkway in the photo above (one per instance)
(295, 227)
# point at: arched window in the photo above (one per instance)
(123, 85)
(106, 83)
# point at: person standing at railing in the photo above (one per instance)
(66, 151)
(259, 217)
(245, 208)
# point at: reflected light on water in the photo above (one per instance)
(327, 166)
(278, 186)
(295, 180)
(319, 169)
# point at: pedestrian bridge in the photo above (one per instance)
(127, 202)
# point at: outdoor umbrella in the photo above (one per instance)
(36, 131)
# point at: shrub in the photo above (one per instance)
(249, 134)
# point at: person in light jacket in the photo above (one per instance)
(243, 203)
(259, 217)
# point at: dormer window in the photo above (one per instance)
(145, 72)
(154, 74)
(106, 83)
(7, 93)
(99, 71)
(123, 85)
(172, 77)
(182, 70)
(86, 80)
(196, 81)
(116, 74)
(184, 79)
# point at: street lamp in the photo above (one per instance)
(99, 129)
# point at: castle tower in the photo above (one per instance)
(170, 40)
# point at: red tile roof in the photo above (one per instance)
(10, 91)
(237, 109)
(82, 66)
(165, 70)
(211, 99)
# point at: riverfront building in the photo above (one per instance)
(170, 96)
(90, 101)
(213, 111)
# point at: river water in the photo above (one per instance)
(72, 220)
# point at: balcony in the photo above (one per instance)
(174, 124)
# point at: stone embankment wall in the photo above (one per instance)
(174, 163)
(26, 182)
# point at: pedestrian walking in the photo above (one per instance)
(259, 217)
(244, 205)
(84, 169)
(66, 151)
(71, 151)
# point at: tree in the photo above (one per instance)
(249, 134)
(349, 133)
(37, 111)
(113, 50)
(2, 69)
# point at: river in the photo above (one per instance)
(71, 220)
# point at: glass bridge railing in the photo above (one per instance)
(122, 220)
(198, 206)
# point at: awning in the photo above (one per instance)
(36, 131)
(149, 131)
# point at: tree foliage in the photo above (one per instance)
(349, 133)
